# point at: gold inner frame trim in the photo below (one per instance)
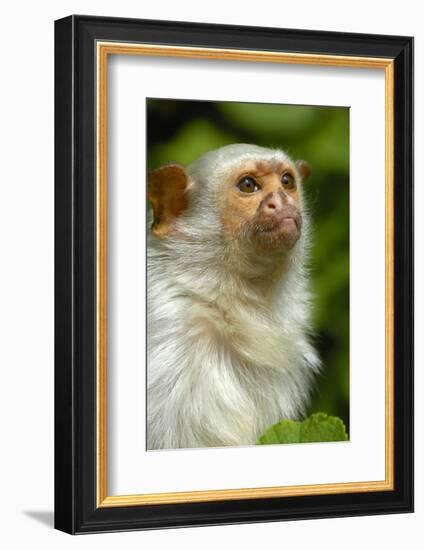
(103, 50)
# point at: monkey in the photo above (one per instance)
(229, 339)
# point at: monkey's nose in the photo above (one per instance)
(273, 202)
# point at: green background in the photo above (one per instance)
(180, 131)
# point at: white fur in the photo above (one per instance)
(228, 346)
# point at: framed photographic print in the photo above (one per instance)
(234, 268)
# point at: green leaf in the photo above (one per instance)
(318, 427)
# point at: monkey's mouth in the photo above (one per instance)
(284, 223)
(284, 231)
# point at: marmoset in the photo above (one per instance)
(229, 346)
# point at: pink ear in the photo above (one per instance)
(304, 169)
(166, 190)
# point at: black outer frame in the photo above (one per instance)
(75, 274)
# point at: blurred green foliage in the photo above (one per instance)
(180, 131)
(317, 427)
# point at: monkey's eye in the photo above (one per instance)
(288, 181)
(248, 185)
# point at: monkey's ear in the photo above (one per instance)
(166, 191)
(304, 169)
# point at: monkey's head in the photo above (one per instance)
(243, 193)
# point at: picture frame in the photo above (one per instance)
(83, 45)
